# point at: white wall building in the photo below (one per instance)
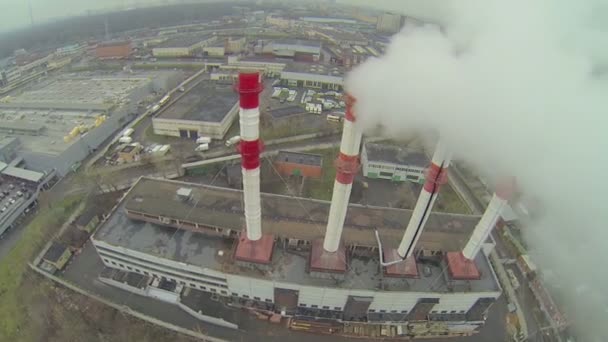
(393, 163)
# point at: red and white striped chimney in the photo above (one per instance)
(249, 88)
(484, 227)
(347, 165)
(436, 176)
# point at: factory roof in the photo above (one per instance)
(299, 158)
(395, 155)
(183, 41)
(301, 42)
(21, 125)
(24, 174)
(307, 218)
(208, 101)
(202, 250)
(286, 111)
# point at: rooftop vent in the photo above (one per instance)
(184, 194)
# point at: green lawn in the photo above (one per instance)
(449, 201)
(13, 296)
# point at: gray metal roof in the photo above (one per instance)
(20, 173)
(395, 155)
(208, 101)
(299, 158)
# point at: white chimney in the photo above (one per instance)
(488, 221)
(436, 176)
(346, 169)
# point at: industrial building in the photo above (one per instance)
(289, 163)
(313, 76)
(209, 109)
(60, 122)
(349, 56)
(185, 46)
(289, 255)
(299, 50)
(389, 23)
(114, 50)
(393, 162)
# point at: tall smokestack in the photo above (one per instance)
(436, 176)
(249, 88)
(503, 193)
(346, 168)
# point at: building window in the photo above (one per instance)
(410, 177)
(256, 298)
(223, 292)
(121, 265)
(403, 311)
(444, 311)
(146, 273)
(192, 285)
(129, 268)
(383, 311)
(434, 311)
(213, 290)
(453, 311)
(372, 310)
(386, 174)
(337, 308)
(246, 296)
(202, 287)
(268, 300)
(326, 307)
(461, 311)
(235, 294)
(303, 305)
(106, 261)
(113, 263)
(393, 311)
(314, 306)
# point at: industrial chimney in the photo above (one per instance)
(436, 176)
(249, 88)
(329, 255)
(503, 193)
(346, 169)
(253, 246)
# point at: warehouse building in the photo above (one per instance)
(299, 164)
(114, 50)
(299, 50)
(155, 232)
(313, 76)
(209, 110)
(394, 163)
(185, 46)
(389, 23)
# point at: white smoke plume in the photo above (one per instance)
(515, 88)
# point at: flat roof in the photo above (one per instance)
(301, 42)
(461, 268)
(21, 125)
(299, 158)
(208, 101)
(54, 252)
(307, 218)
(182, 42)
(201, 250)
(395, 155)
(282, 112)
(20, 173)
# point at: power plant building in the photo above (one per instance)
(304, 257)
(114, 50)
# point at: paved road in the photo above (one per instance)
(84, 268)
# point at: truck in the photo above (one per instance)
(155, 109)
(203, 140)
(235, 139)
(125, 140)
(127, 132)
(164, 100)
(202, 147)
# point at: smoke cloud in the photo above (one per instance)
(515, 88)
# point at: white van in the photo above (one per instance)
(202, 147)
(203, 140)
